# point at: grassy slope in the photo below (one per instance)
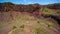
(50, 11)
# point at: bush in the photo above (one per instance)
(22, 26)
(45, 10)
(50, 24)
(38, 21)
(38, 30)
(16, 15)
(14, 27)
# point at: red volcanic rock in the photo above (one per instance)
(7, 6)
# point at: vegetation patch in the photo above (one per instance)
(38, 22)
(14, 27)
(22, 26)
(47, 11)
(58, 12)
(17, 14)
(49, 24)
(39, 30)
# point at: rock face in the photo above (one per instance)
(7, 6)
(15, 7)
(29, 19)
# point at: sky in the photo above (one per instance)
(43, 2)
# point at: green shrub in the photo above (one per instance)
(38, 30)
(14, 27)
(22, 26)
(38, 21)
(16, 15)
(45, 9)
(50, 24)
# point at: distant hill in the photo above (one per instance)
(53, 6)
